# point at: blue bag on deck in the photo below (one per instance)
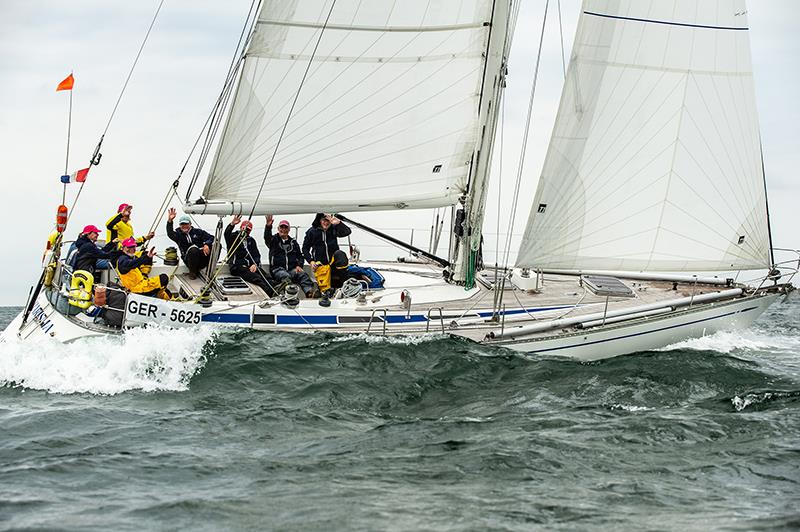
(375, 279)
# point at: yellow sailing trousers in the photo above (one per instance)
(137, 283)
(323, 275)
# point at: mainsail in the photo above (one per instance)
(654, 162)
(387, 117)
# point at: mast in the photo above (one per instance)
(766, 206)
(468, 226)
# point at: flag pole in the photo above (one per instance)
(69, 132)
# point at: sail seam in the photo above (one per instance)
(362, 59)
(265, 142)
(674, 144)
(665, 22)
(399, 29)
(633, 66)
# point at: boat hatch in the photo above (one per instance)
(605, 286)
(232, 285)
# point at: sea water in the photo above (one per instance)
(209, 429)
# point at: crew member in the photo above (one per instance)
(88, 255)
(119, 226)
(319, 245)
(244, 258)
(131, 276)
(194, 244)
(340, 271)
(285, 257)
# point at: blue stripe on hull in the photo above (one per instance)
(333, 319)
(413, 318)
(226, 318)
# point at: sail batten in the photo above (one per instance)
(387, 115)
(654, 162)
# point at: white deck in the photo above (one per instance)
(441, 307)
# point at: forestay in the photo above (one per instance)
(654, 162)
(386, 118)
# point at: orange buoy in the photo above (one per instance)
(61, 218)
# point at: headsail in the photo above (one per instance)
(386, 118)
(654, 162)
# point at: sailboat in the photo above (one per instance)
(653, 184)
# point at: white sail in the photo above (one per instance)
(386, 118)
(654, 162)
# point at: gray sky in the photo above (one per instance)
(177, 80)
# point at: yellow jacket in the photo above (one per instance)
(117, 228)
(134, 280)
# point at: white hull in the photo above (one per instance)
(383, 315)
(647, 334)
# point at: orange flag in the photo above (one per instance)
(67, 84)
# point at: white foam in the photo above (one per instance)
(405, 339)
(751, 339)
(629, 408)
(142, 359)
(740, 403)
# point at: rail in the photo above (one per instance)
(790, 267)
(428, 316)
(372, 317)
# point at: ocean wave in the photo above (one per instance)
(752, 339)
(629, 408)
(410, 339)
(761, 399)
(151, 359)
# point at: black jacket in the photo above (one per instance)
(126, 263)
(89, 253)
(246, 254)
(282, 253)
(195, 237)
(319, 245)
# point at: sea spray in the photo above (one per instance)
(147, 359)
(751, 339)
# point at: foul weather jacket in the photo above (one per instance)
(284, 254)
(119, 229)
(131, 277)
(246, 253)
(319, 245)
(195, 237)
(88, 253)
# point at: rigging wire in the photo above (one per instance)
(291, 109)
(524, 147)
(220, 103)
(95, 159)
(240, 240)
(130, 72)
(499, 199)
(319, 125)
(222, 99)
(561, 36)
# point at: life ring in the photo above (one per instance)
(80, 289)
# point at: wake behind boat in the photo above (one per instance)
(654, 166)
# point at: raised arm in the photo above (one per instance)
(229, 236)
(170, 227)
(111, 225)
